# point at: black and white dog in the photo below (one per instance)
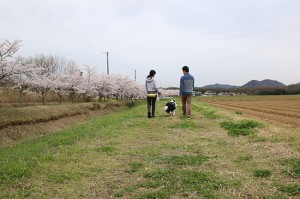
(170, 107)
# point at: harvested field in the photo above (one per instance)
(284, 110)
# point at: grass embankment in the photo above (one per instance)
(16, 123)
(34, 114)
(127, 155)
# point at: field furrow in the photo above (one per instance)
(284, 110)
(287, 121)
(292, 114)
(293, 107)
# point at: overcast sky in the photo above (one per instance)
(222, 41)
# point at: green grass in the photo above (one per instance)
(239, 113)
(291, 189)
(58, 178)
(207, 111)
(244, 127)
(185, 125)
(181, 160)
(184, 181)
(178, 182)
(244, 158)
(19, 161)
(105, 149)
(293, 166)
(135, 167)
(11, 116)
(127, 155)
(256, 138)
(262, 173)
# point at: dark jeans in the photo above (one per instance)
(151, 102)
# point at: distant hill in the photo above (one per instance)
(263, 83)
(220, 86)
(297, 84)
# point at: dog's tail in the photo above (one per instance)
(166, 108)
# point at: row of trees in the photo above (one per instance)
(284, 90)
(41, 74)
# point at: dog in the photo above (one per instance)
(170, 107)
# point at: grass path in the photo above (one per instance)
(127, 155)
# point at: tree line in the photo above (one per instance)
(278, 90)
(41, 74)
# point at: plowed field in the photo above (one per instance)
(280, 109)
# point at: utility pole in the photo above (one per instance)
(108, 98)
(107, 62)
(135, 75)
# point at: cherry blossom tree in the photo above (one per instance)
(8, 64)
(60, 86)
(120, 86)
(126, 88)
(52, 76)
(43, 73)
(22, 81)
(51, 64)
(105, 86)
(74, 78)
(170, 92)
(65, 82)
(43, 84)
(116, 83)
(138, 91)
(88, 85)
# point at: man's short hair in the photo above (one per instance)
(186, 69)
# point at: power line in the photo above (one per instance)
(32, 11)
(48, 19)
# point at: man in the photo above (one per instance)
(186, 91)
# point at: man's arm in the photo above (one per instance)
(181, 86)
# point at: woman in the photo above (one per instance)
(152, 91)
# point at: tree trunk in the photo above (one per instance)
(21, 99)
(44, 93)
(43, 98)
(100, 97)
(59, 97)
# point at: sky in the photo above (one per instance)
(226, 42)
